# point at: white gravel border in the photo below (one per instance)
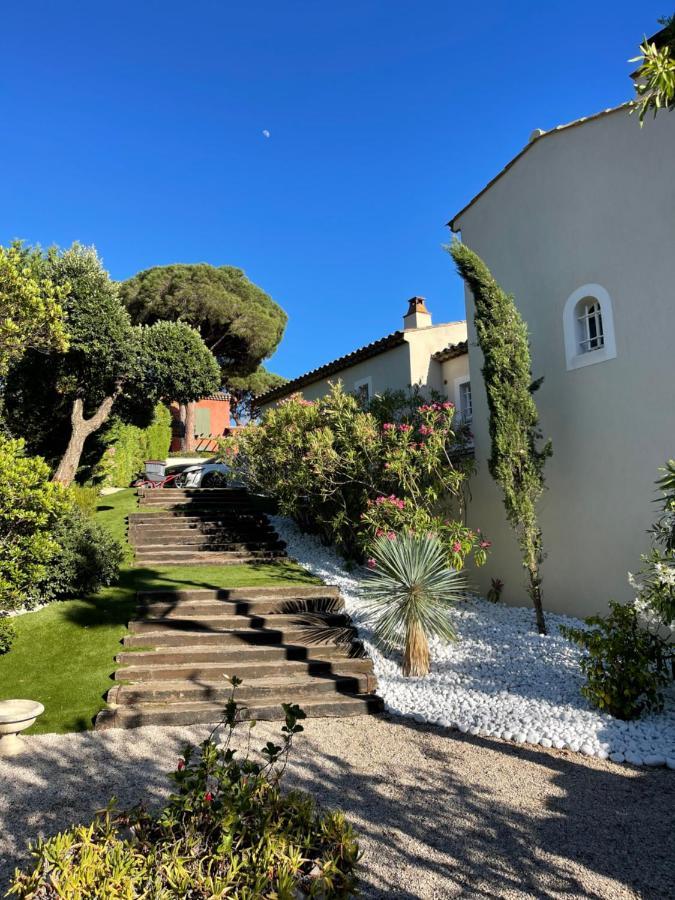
(501, 679)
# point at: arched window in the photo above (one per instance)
(588, 326)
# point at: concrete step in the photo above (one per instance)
(209, 558)
(204, 542)
(290, 685)
(268, 708)
(189, 670)
(221, 622)
(264, 592)
(239, 653)
(169, 609)
(232, 530)
(163, 636)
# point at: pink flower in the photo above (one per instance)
(379, 532)
(181, 765)
(388, 426)
(371, 563)
(405, 427)
(426, 429)
(208, 797)
(485, 544)
(457, 547)
(448, 405)
(391, 535)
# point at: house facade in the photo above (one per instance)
(211, 421)
(421, 353)
(580, 228)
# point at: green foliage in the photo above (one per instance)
(344, 474)
(409, 592)
(31, 316)
(30, 506)
(130, 446)
(655, 582)
(625, 666)
(89, 558)
(7, 635)
(228, 830)
(238, 321)
(243, 389)
(655, 77)
(178, 365)
(84, 497)
(516, 460)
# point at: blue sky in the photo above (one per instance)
(138, 127)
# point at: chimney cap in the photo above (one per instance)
(416, 305)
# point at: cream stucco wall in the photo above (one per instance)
(594, 204)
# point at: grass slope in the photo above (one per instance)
(63, 654)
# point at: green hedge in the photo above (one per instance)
(129, 447)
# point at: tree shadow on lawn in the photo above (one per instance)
(437, 813)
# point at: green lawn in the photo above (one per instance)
(63, 654)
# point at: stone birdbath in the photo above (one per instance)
(16, 716)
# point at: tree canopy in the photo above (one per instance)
(655, 78)
(237, 320)
(31, 315)
(244, 388)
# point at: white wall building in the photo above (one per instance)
(580, 228)
(421, 353)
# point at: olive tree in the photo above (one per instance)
(516, 460)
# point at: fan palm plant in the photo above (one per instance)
(409, 591)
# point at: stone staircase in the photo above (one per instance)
(210, 526)
(287, 644)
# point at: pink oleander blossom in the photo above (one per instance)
(371, 563)
(457, 547)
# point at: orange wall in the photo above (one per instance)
(219, 413)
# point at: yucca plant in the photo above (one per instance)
(409, 591)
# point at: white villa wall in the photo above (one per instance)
(424, 342)
(594, 204)
(390, 369)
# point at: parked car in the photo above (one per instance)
(205, 474)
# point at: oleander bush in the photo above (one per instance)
(228, 830)
(626, 667)
(7, 635)
(352, 474)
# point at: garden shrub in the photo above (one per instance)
(84, 497)
(130, 446)
(227, 831)
(344, 473)
(89, 557)
(30, 507)
(625, 666)
(7, 634)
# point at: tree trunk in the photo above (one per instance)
(81, 428)
(535, 593)
(190, 415)
(182, 416)
(416, 654)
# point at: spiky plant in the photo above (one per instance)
(409, 591)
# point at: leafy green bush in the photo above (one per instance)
(341, 472)
(626, 667)
(7, 635)
(84, 497)
(409, 591)
(129, 447)
(89, 557)
(228, 831)
(30, 506)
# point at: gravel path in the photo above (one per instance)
(440, 814)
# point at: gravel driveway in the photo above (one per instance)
(439, 814)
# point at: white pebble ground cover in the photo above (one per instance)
(501, 679)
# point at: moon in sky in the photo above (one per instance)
(266, 133)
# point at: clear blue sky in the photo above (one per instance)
(138, 127)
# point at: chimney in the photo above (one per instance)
(418, 316)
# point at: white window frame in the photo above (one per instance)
(575, 357)
(459, 381)
(368, 382)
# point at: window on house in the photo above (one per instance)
(589, 321)
(363, 390)
(465, 405)
(588, 327)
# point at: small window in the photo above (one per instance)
(363, 390)
(465, 406)
(589, 318)
(588, 327)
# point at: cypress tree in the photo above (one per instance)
(517, 457)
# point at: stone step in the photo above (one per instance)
(197, 542)
(163, 636)
(264, 592)
(249, 671)
(268, 708)
(239, 653)
(239, 530)
(168, 609)
(290, 685)
(223, 621)
(209, 558)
